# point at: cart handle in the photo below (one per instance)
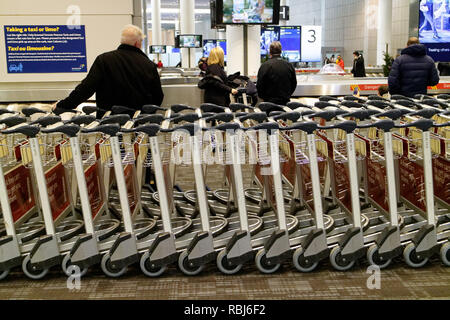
(386, 125)
(425, 113)
(400, 97)
(382, 104)
(267, 107)
(13, 121)
(224, 117)
(117, 119)
(295, 105)
(352, 104)
(151, 108)
(225, 127)
(348, 126)
(239, 107)
(180, 107)
(422, 96)
(257, 116)
(70, 130)
(122, 110)
(444, 96)
(211, 107)
(433, 102)
(108, 129)
(393, 114)
(355, 99)
(308, 126)
(422, 124)
(188, 117)
(292, 116)
(150, 130)
(46, 121)
(408, 103)
(27, 130)
(79, 120)
(328, 98)
(59, 111)
(191, 128)
(440, 125)
(5, 111)
(91, 109)
(359, 114)
(326, 115)
(374, 97)
(150, 118)
(323, 105)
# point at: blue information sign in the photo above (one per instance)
(45, 49)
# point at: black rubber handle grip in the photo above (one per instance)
(120, 119)
(46, 121)
(239, 107)
(5, 111)
(70, 130)
(441, 125)
(122, 110)
(28, 112)
(326, 115)
(328, 98)
(275, 113)
(295, 105)
(352, 104)
(150, 118)
(207, 114)
(422, 96)
(434, 103)
(382, 104)
(422, 124)
(227, 126)
(386, 125)
(359, 114)
(292, 116)
(224, 117)
(240, 114)
(191, 128)
(308, 126)
(27, 130)
(91, 109)
(396, 97)
(354, 99)
(267, 107)
(347, 126)
(268, 126)
(151, 109)
(210, 107)
(180, 107)
(59, 111)
(188, 117)
(444, 96)
(13, 121)
(408, 103)
(108, 129)
(149, 129)
(79, 120)
(425, 113)
(374, 97)
(323, 105)
(257, 116)
(393, 114)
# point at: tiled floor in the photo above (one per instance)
(397, 282)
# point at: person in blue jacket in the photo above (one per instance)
(413, 71)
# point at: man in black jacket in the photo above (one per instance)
(359, 69)
(413, 71)
(125, 77)
(276, 78)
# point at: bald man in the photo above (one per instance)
(124, 77)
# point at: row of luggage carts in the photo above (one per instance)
(347, 180)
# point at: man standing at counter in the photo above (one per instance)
(277, 80)
(124, 77)
(413, 71)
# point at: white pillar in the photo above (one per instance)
(384, 35)
(284, 3)
(187, 26)
(156, 23)
(253, 50)
(235, 49)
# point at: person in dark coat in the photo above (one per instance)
(359, 69)
(217, 90)
(125, 77)
(277, 80)
(413, 71)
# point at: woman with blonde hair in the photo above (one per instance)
(215, 84)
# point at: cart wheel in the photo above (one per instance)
(262, 265)
(185, 266)
(109, 270)
(4, 274)
(148, 268)
(224, 266)
(410, 256)
(302, 264)
(338, 262)
(66, 263)
(445, 253)
(374, 257)
(30, 272)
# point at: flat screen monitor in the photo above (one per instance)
(248, 11)
(190, 40)
(434, 28)
(209, 44)
(268, 35)
(290, 39)
(223, 44)
(158, 49)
